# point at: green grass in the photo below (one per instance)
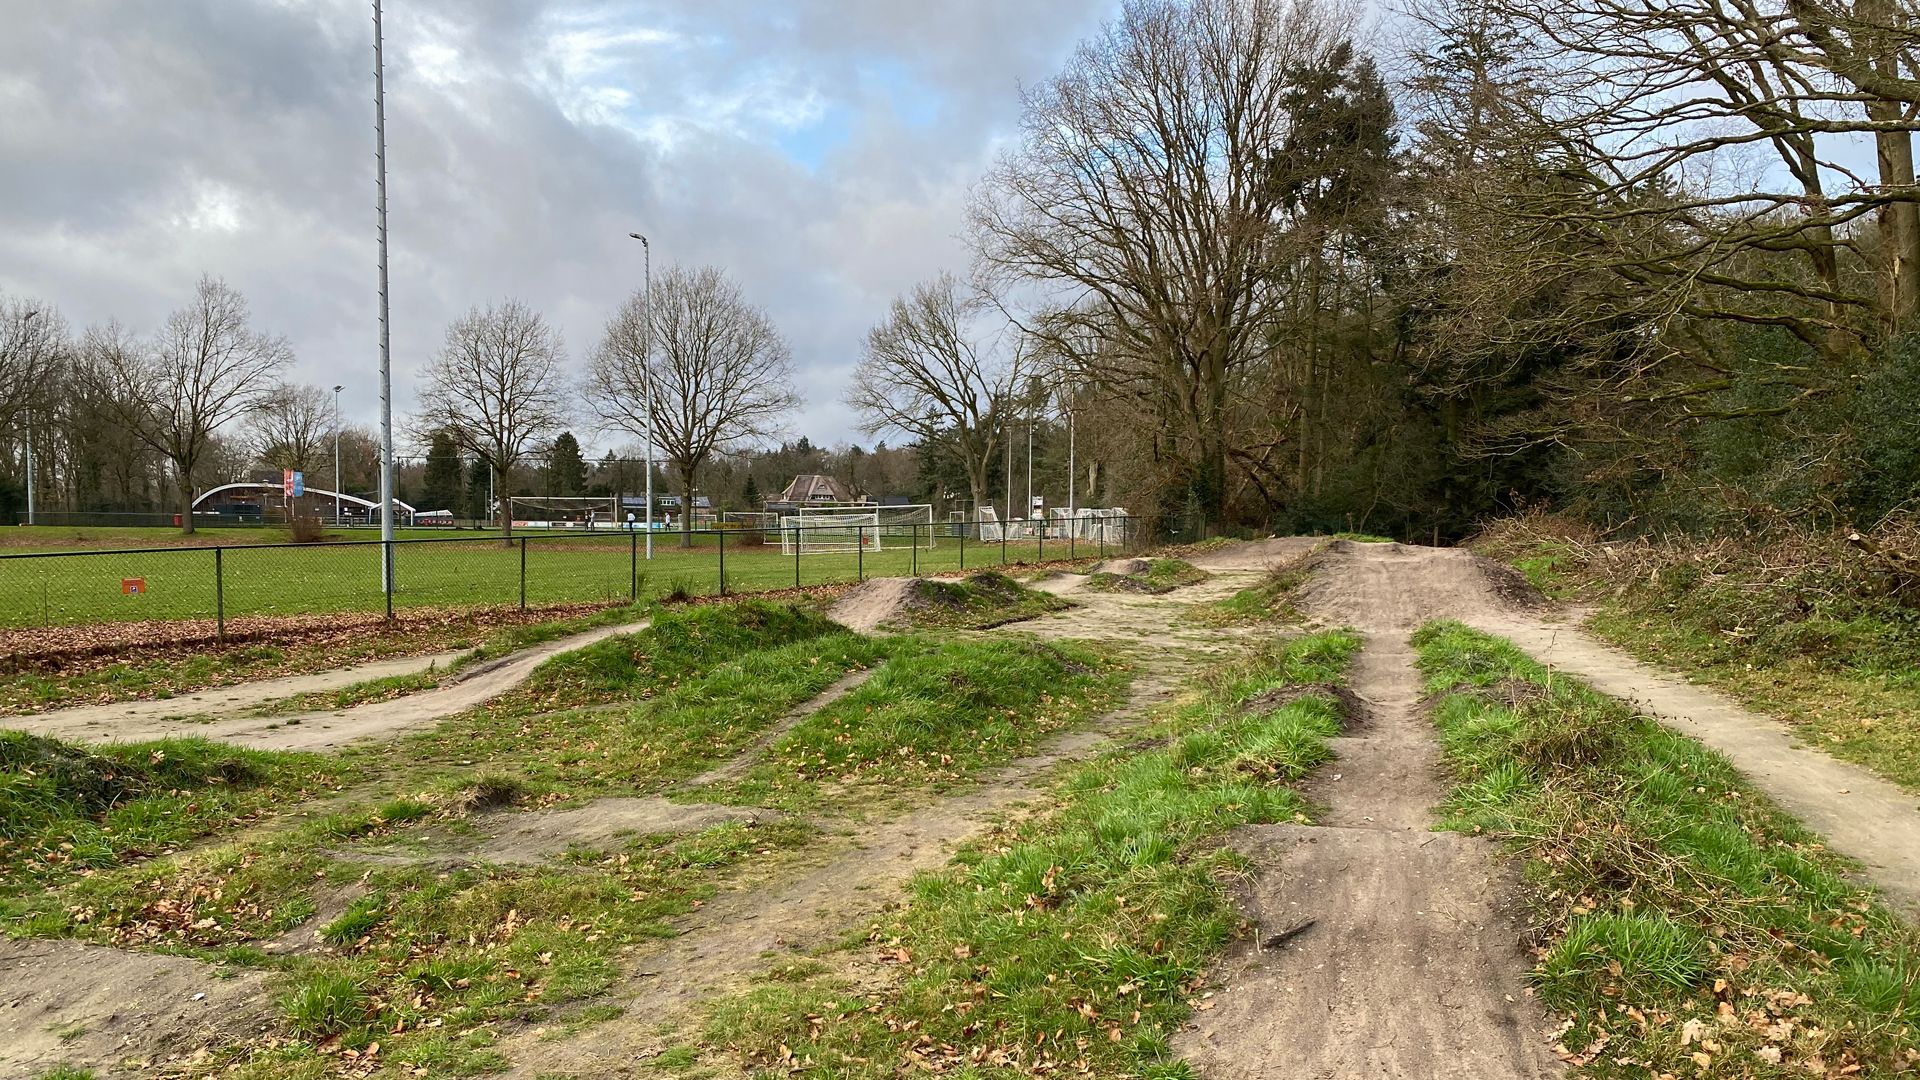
(1800, 628)
(1161, 576)
(1673, 903)
(67, 810)
(468, 947)
(1072, 941)
(936, 714)
(574, 568)
(67, 1072)
(1269, 601)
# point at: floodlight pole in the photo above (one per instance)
(646, 370)
(386, 348)
(336, 454)
(1073, 507)
(25, 322)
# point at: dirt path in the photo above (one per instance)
(309, 731)
(1859, 814)
(1410, 968)
(227, 699)
(126, 1006)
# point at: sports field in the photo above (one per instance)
(140, 581)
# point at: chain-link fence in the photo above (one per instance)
(612, 566)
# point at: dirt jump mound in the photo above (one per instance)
(977, 602)
(1398, 587)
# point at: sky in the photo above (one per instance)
(819, 151)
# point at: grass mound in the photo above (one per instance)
(1157, 576)
(65, 807)
(983, 600)
(935, 713)
(680, 642)
(1074, 941)
(1679, 915)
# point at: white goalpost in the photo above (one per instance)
(820, 530)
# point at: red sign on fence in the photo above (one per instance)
(133, 586)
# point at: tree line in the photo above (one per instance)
(1260, 267)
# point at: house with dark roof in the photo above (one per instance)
(815, 489)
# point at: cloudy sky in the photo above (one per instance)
(818, 150)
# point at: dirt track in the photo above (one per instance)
(1410, 968)
(305, 731)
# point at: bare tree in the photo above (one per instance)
(206, 367)
(924, 375)
(496, 387)
(33, 338)
(710, 367)
(1142, 197)
(292, 427)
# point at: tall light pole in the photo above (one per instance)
(646, 370)
(26, 322)
(336, 454)
(1030, 469)
(386, 349)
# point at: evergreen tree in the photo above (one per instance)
(566, 469)
(478, 475)
(751, 494)
(440, 487)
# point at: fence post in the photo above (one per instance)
(523, 573)
(721, 535)
(915, 557)
(219, 598)
(859, 553)
(1003, 541)
(963, 546)
(1102, 530)
(386, 576)
(1043, 540)
(796, 556)
(633, 567)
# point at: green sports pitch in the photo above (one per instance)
(111, 576)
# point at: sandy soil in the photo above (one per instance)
(871, 603)
(1407, 966)
(318, 730)
(62, 1002)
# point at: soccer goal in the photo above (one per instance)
(820, 530)
(563, 512)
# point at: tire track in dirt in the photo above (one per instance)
(317, 730)
(1408, 966)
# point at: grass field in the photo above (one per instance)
(193, 582)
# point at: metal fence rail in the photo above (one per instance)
(227, 582)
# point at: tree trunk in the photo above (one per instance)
(686, 508)
(977, 488)
(1899, 221)
(505, 509)
(186, 500)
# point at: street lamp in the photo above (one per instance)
(26, 322)
(336, 455)
(646, 369)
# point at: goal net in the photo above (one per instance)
(824, 529)
(563, 512)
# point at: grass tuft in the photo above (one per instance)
(1664, 887)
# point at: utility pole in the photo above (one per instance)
(1073, 508)
(336, 454)
(386, 347)
(1029, 468)
(646, 368)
